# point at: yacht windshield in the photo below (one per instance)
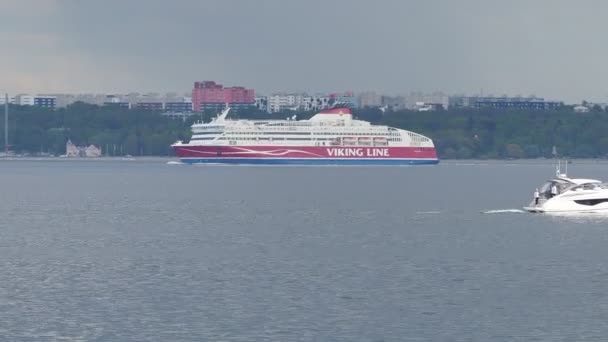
(560, 186)
(589, 186)
(546, 188)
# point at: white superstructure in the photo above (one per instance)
(328, 128)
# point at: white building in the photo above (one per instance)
(25, 100)
(370, 99)
(279, 102)
(261, 103)
(435, 99)
(92, 151)
(394, 102)
(64, 100)
(315, 102)
(46, 101)
(73, 151)
(11, 99)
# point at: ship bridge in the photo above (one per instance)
(335, 116)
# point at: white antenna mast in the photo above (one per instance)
(559, 162)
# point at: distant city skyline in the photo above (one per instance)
(549, 48)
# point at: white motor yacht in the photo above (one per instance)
(573, 195)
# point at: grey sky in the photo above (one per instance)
(551, 48)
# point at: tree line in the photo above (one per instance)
(457, 133)
(116, 131)
(497, 133)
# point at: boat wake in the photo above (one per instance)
(172, 162)
(428, 212)
(503, 211)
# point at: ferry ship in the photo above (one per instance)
(330, 137)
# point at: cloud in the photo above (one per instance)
(28, 7)
(553, 48)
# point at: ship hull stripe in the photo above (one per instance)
(310, 161)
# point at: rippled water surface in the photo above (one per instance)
(144, 251)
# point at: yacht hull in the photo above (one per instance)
(567, 206)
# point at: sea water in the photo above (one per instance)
(145, 251)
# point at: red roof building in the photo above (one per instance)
(211, 93)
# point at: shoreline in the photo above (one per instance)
(85, 159)
(539, 161)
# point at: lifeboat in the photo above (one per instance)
(380, 141)
(349, 141)
(365, 141)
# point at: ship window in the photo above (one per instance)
(198, 133)
(591, 202)
(287, 133)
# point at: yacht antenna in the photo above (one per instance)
(558, 166)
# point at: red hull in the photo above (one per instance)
(304, 152)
